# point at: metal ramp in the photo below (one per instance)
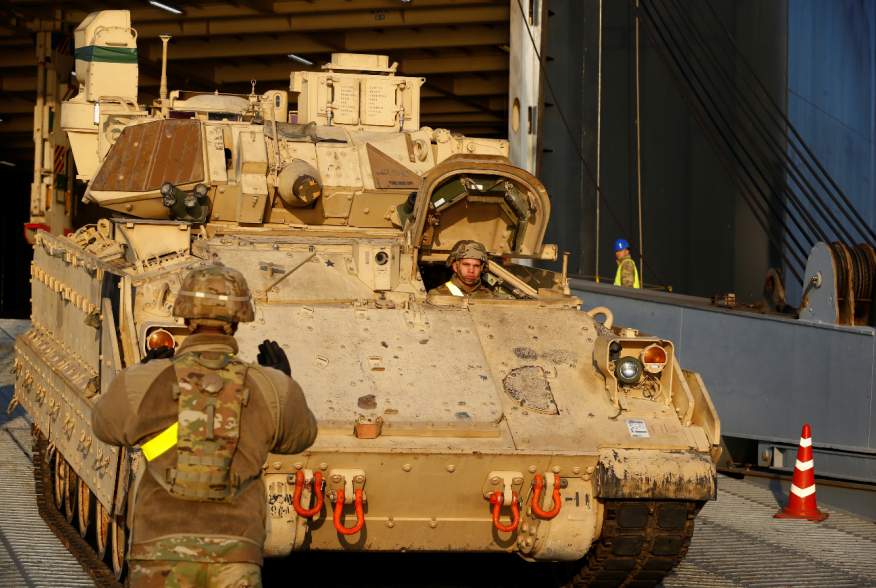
(737, 542)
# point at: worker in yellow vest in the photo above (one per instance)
(627, 275)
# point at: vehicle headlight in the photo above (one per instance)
(629, 370)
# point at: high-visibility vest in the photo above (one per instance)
(617, 276)
(454, 289)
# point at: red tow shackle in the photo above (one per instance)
(496, 499)
(317, 490)
(339, 510)
(536, 498)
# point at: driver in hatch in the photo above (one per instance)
(468, 259)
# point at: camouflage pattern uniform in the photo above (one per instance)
(479, 290)
(198, 513)
(628, 273)
(465, 249)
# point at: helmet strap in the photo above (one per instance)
(211, 324)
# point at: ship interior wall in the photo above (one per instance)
(699, 236)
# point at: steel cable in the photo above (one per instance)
(827, 217)
(815, 231)
(850, 211)
(756, 208)
(723, 127)
(758, 212)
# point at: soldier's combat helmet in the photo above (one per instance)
(214, 292)
(468, 249)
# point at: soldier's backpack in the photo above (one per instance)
(210, 392)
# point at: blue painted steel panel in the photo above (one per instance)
(832, 90)
(767, 374)
(831, 97)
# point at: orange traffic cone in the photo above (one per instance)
(801, 500)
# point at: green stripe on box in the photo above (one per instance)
(107, 54)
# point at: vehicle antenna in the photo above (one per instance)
(162, 91)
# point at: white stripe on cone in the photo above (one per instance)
(802, 492)
(805, 441)
(804, 465)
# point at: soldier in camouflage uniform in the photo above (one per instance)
(205, 422)
(469, 260)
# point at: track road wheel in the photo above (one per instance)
(102, 524)
(59, 481)
(84, 505)
(118, 543)
(71, 498)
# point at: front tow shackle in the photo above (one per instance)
(317, 486)
(496, 500)
(339, 513)
(535, 502)
(345, 486)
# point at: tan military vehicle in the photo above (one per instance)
(517, 424)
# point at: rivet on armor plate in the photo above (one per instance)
(298, 465)
(589, 469)
(517, 481)
(532, 469)
(323, 466)
(406, 467)
(585, 477)
(390, 523)
(433, 523)
(555, 469)
(451, 468)
(276, 465)
(576, 470)
(495, 480)
(336, 478)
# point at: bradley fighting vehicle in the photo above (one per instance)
(517, 424)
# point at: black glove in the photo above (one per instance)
(157, 353)
(272, 355)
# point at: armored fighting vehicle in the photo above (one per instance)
(515, 424)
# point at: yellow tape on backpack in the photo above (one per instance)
(161, 442)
